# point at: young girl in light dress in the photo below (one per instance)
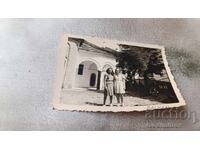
(119, 86)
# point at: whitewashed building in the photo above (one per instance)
(86, 64)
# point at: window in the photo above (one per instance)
(80, 69)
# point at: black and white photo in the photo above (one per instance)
(108, 75)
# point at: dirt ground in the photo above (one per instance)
(95, 98)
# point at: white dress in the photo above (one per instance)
(119, 84)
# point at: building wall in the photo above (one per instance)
(70, 70)
(100, 59)
(84, 79)
(82, 56)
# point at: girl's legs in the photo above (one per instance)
(111, 97)
(122, 99)
(104, 101)
(105, 97)
(118, 99)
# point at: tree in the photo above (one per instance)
(146, 60)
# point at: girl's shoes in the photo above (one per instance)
(118, 104)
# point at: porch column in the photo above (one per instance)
(99, 80)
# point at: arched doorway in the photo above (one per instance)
(86, 76)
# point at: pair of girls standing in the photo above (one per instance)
(114, 85)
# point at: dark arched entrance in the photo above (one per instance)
(92, 79)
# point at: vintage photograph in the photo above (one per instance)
(96, 74)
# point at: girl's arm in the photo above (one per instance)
(124, 81)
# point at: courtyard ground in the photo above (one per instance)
(95, 98)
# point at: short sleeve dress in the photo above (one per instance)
(119, 84)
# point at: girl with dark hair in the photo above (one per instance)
(108, 86)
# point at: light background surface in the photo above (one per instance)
(28, 53)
